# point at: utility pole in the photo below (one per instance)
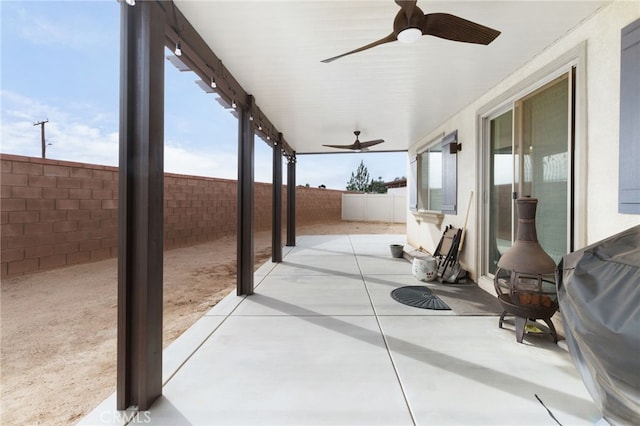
(44, 145)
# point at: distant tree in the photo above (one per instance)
(377, 186)
(360, 180)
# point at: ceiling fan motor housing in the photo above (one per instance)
(402, 22)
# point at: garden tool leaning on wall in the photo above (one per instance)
(450, 270)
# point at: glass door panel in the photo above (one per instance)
(500, 188)
(542, 129)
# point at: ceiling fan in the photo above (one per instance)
(357, 145)
(410, 24)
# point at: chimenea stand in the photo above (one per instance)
(525, 279)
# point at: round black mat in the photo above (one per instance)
(419, 296)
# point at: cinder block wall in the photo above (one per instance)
(58, 213)
(314, 205)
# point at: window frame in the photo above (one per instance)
(418, 203)
(629, 149)
(450, 173)
(424, 202)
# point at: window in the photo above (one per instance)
(435, 172)
(430, 179)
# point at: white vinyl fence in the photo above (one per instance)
(390, 207)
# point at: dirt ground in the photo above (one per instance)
(58, 328)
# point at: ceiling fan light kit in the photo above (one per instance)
(409, 35)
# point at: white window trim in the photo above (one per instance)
(421, 215)
(434, 216)
(429, 216)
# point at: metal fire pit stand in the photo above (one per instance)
(525, 278)
(526, 304)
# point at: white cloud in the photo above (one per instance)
(75, 134)
(315, 173)
(39, 29)
(79, 137)
(85, 134)
(17, 106)
(183, 161)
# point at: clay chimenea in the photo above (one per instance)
(525, 278)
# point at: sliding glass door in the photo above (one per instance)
(529, 155)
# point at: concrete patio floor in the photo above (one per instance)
(322, 342)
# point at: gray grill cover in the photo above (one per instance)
(599, 296)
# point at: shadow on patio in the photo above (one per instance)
(322, 342)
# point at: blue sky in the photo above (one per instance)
(60, 61)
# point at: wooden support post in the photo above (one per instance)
(276, 226)
(245, 198)
(291, 201)
(140, 234)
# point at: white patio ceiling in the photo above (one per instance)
(397, 92)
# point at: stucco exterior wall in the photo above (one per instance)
(595, 47)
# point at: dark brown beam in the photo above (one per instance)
(276, 227)
(266, 130)
(140, 233)
(291, 201)
(245, 199)
(206, 64)
(199, 57)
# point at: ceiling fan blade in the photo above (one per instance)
(391, 37)
(370, 143)
(340, 146)
(454, 28)
(407, 7)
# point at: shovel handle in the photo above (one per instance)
(466, 219)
